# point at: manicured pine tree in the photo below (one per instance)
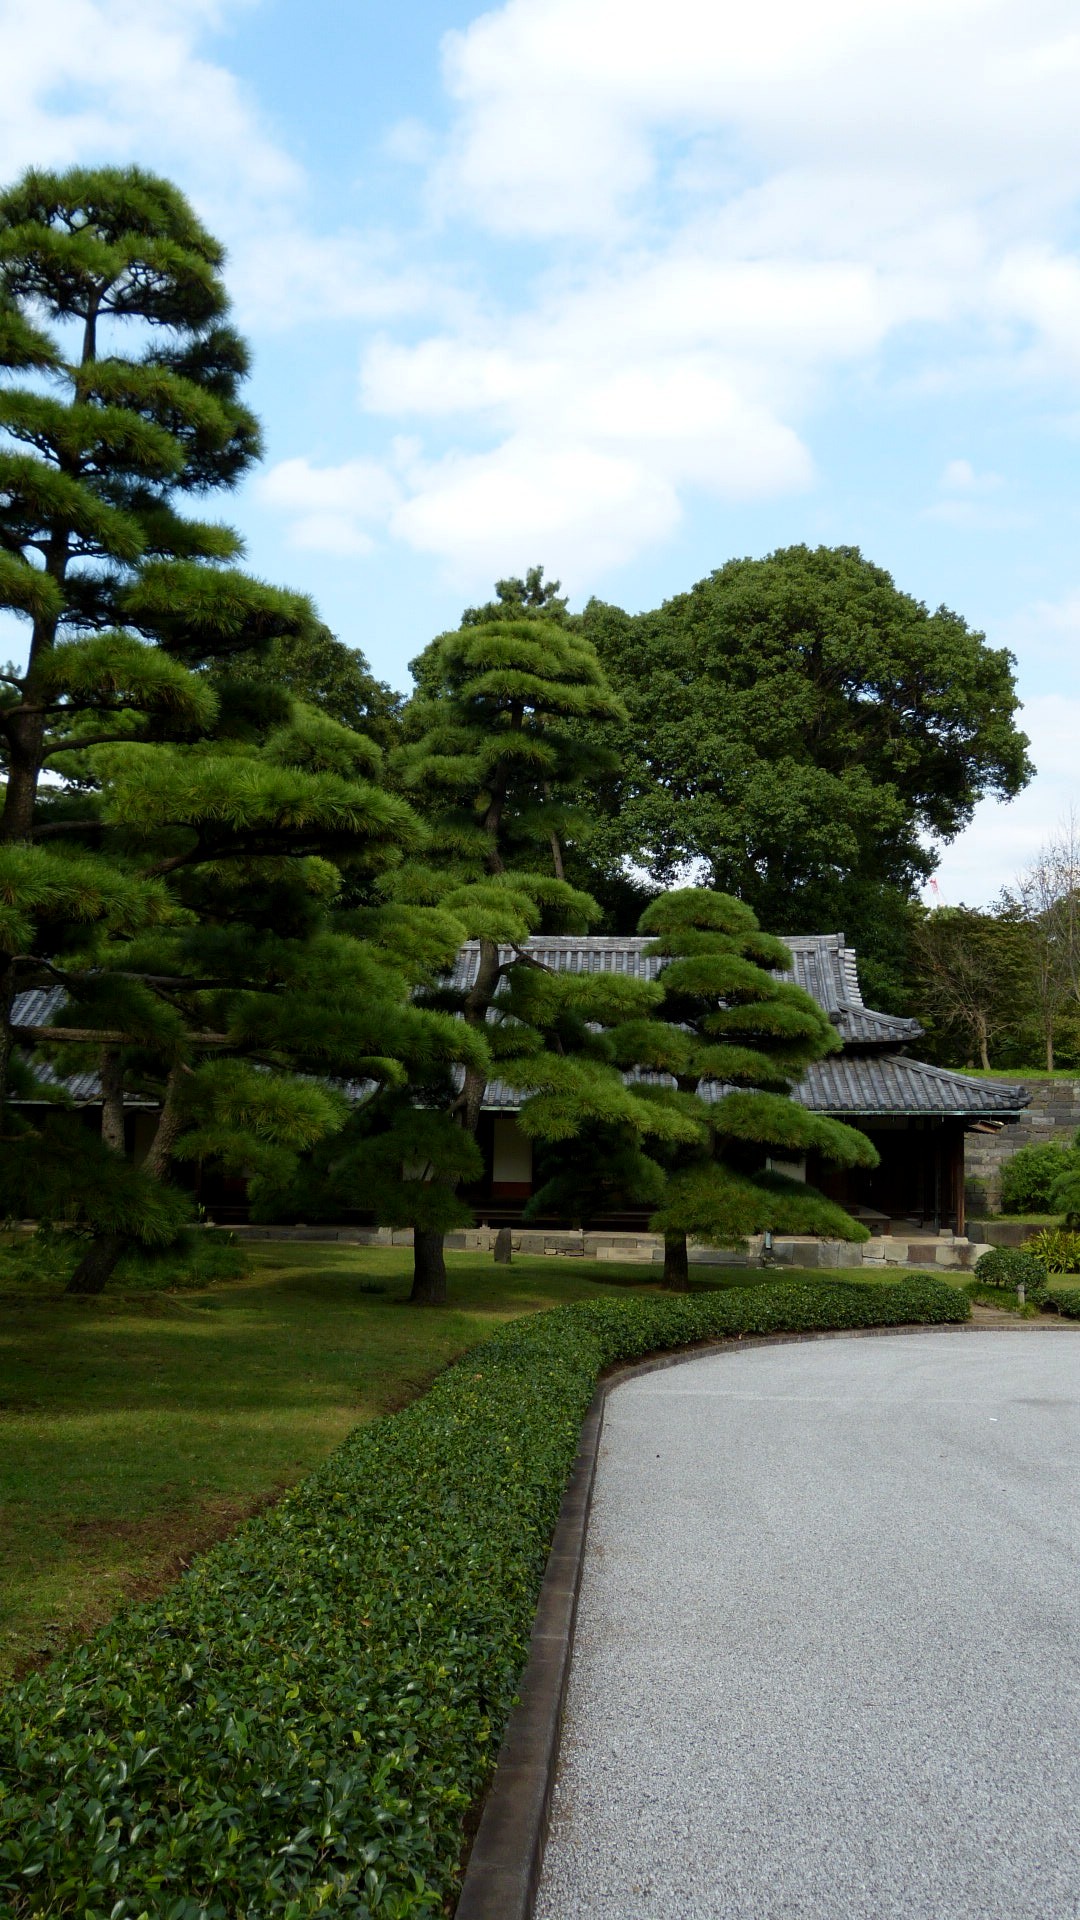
(494, 767)
(109, 417)
(177, 882)
(729, 1027)
(742, 1029)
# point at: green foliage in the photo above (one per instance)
(44, 1261)
(304, 1721)
(1056, 1248)
(802, 726)
(732, 1039)
(64, 1176)
(1029, 1178)
(971, 972)
(1065, 1191)
(1011, 1267)
(180, 883)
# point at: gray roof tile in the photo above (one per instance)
(821, 962)
(864, 1080)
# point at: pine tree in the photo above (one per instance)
(731, 1024)
(495, 769)
(122, 595)
(178, 881)
(721, 1053)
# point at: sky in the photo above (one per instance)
(628, 290)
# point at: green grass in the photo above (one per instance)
(137, 1428)
(1017, 1073)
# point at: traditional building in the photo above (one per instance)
(916, 1115)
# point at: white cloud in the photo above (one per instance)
(1003, 839)
(98, 82)
(740, 203)
(86, 80)
(959, 476)
(564, 104)
(719, 212)
(331, 509)
(594, 508)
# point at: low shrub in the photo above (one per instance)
(1057, 1248)
(1011, 1267)
(1065, 1192)
(1028, 1179)
(1067, 1301)
(301, 1724)
(44, 1261)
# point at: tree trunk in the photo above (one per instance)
(676, 1263)
(7, 996)
(984, 1057)
(1049, 1052)
(429, 1269)
(97, 1263)
(111, 1073)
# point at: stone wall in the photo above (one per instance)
(1054, 1114)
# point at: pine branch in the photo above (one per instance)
(76, 743)
(111, 1036)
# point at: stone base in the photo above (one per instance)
(896, 1249)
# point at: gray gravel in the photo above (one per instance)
(828, 1653)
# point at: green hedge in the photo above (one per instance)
(301, 1724)
(1010, 1267)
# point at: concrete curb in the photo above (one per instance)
(503, 1874)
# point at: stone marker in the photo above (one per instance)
(502, 1247)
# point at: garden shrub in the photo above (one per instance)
(1065, 1192)
(45, 1260)
(300, 1725)
(1011, 1267)
(1057, 1248)
(1029, 1178)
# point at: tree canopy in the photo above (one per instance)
(177, 827)
(803, 729)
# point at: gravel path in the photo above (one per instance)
(828, 1652)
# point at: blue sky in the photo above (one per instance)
(628, 290)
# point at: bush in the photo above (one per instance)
(1029, 1178)
(1065, 1194)
(1056, 1248)
(302, 1723)
(44, 1261)
(1011, 1267)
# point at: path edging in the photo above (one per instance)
(503, 1874)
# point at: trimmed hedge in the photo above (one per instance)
(302, 1723)
(1010, 1267)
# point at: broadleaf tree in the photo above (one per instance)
(805, 732)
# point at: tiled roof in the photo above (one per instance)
(37, 1009)
(864, 1080)
(862, 1086)
(821, 962)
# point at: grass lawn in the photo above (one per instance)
(138, 1428)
